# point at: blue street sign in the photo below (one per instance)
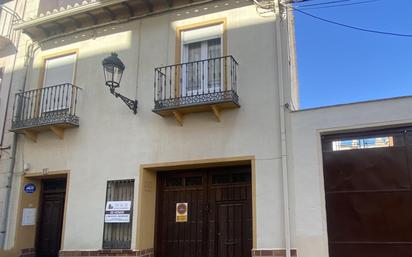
(30, 188)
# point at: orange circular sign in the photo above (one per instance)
(181, 208)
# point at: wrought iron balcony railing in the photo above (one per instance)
(7, 34)
(48, 106)
(194, 84)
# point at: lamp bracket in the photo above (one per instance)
(132, 104)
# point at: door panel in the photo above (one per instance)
(219, 213)
(180, 239)
(369, 193)
(51, 225)
(230, 222)
(51, 218)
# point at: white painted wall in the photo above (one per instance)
(306, 170)
(112, 143)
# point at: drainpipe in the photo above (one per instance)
(282, 121)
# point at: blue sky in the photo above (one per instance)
(339, 65)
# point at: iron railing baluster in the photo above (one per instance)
(170, 82)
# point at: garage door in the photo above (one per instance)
(204, 213)
(368, 178)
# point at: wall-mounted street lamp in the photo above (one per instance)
(113, 69)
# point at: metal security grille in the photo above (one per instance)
(119, 235)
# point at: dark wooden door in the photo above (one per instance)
(219, 213)
(51, 219)
(369, 193)
(230, 229)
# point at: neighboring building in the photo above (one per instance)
(210, 78)
(10, 69)
(352, 201)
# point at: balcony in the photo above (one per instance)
(200, 86)
(7, 34)
(49, 108)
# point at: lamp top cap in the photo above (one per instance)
(113, 60)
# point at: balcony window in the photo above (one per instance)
(197, 45)
(205, 79)
(53, 106)
(58, 71)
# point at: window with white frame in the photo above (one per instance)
(201, 49)
(58, 78)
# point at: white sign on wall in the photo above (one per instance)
(29, 217)
(117, 212)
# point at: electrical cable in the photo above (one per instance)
(325, 3)
(338, 5)
(350, 26)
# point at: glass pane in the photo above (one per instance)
(362, 143)
(174, 182)
(193, 72)
(242, 177)
(221, 179)
(214, 65)
(194, 181)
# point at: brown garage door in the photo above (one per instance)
(219, 220)
(368, 179)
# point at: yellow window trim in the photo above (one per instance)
(198, 25)
(54, 56)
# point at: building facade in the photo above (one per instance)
(200, 150)
(198, 171)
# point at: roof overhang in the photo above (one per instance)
(95, 13)
(67, 12)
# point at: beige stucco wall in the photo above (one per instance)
(112, 143)
(306, 170)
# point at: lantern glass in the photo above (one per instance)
(113, 69)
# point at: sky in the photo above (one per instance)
(339, 65)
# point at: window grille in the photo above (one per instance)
(117, 234)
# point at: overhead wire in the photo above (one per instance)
(337, 5)
(350, 26)
(323, 3)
